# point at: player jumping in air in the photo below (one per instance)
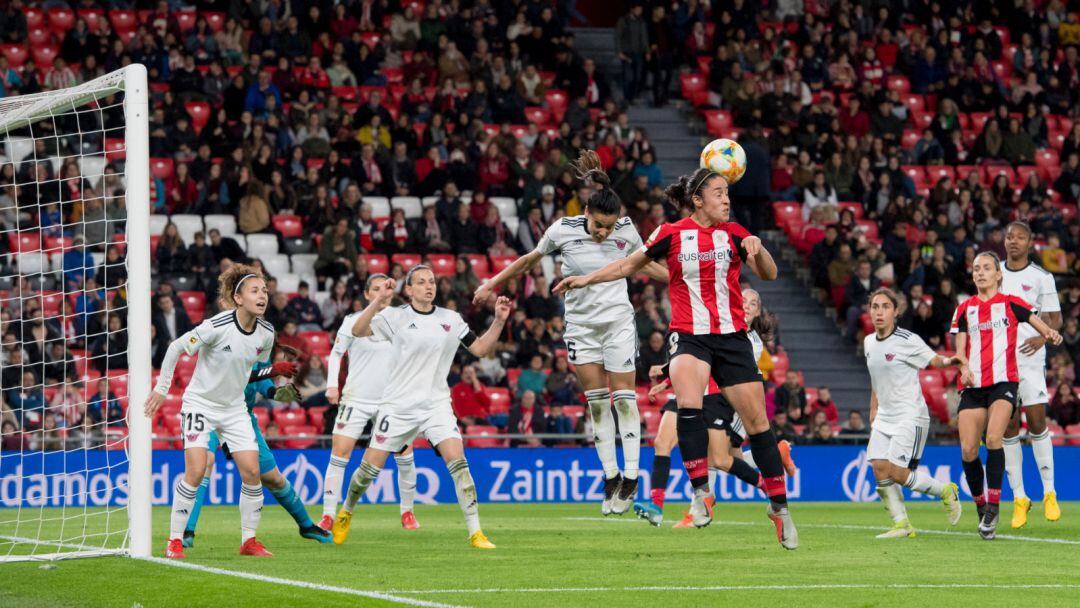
(726, 432)
(425, 339)
(272, 478)
(704, 253)
(1024, 279)
(229, 344)
(370, 363)
(601, 337)
(899, 419)
(986, 327)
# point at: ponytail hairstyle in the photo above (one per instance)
(231, 280)
(588, 169)
(682, 193)
(764, 324)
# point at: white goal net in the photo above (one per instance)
(74, 320)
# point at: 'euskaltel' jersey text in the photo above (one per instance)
(601, 302)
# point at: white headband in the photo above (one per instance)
(241, 282)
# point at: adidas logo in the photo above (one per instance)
(412, 325)
(182, 512)
(903, 457)
(227, 349)
(628, 362)
(630, 436)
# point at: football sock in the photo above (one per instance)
(1043, 447)
(196, 509)
(406, 480)
(361, 479)
(183, 499)
(694, 445)
(973, 471)
(466, 493)
(290, 501)
(712, 479)
(661, 470)
(746, 473)
(892, 498)
(335, 476)
(767, 457)
(748, 457)
(995, 470)
(630, 426)
(603, 429)
(251, 504)
(924, 484)
(1014, 465)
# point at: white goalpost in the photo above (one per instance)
(75, 469)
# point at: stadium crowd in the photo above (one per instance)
(326, 142)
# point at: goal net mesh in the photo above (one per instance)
(64, 322)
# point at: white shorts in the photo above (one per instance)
(613, 344)
(232, 424)
(1032, 380)
(900, 444)
(353, 416)
(394, 431)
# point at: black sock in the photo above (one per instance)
(745, 472)
(995, 468)
(973, 471)
(694, 445)
(767, 458)
(661, 470)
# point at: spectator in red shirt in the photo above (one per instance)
(470, 398)
(825, 403)
(494, 170)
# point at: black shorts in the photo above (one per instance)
(731, 356)
(719, 415)
(981, 398)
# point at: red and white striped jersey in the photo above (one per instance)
(991, 327)
(704, 263)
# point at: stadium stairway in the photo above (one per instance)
(809, 336)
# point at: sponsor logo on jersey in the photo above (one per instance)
(707, 256)
(380, 438)
(259, 351)
(445, 327)
(192, 436)
(341, 425)
(620, 244)
(193, 339)
(1027, 287)
(890, 356)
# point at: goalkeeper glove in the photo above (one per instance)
(281, 368)
(286, 394)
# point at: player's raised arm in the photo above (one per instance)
(1047, 332)
(656, 272)
(362, 327)
(759, 259)
(482, 346)
(619, 269)
(520, 266)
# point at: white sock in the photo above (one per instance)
(335, 476)
(1014, 465)
(251, 504)
(603, 429)
(466, 493)
(893, 499)
(183, 500)
(406, 480)
(1043, 447)
(924, 484)
(630, 426)
(748, 457)
(361, 479)
(712, 479)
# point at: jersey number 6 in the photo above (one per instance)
(384, 426)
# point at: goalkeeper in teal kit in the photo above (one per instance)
(272, 478)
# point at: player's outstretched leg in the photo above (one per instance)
(366, 473)
(287, 497)
(630, 427)
(604, 439)
(332, 482)
(949, 493)
(406, 471)
(466, 495)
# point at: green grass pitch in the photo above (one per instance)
(568, 555)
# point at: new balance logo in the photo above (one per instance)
(1009, 395)
(691, 237)
(227, 349)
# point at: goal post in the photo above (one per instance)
(75, 474)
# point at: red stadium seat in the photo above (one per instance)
(921, 119)
(935, 173)
(978, 120)
(317, 415)
(692, 83)
(557, 101)
(499, 398)
(93, 18)
(289, 226)
(909, 138)
(44, 55)
(869, 228)
(39, 36)
(930, 378)
(1050, 162)
(914, 103)
(1073, 429)
(35, 17)
(262, 416)
(718, 122)
(186, 19)
(537, 115)
(123, 21)
(286, 417)
(781, 363)
(962, 171)
(479, 263)
(50, 302)
(318, 342)
(442, 264)
(855, 208)
(61, 20)
(306, 438)
(194, 304)
(376, 263)
(651, 418)
(216, 21)
(785, 212)
(898, 83)
(16, 54)
(24, 242)
(488, 437)
(185, 367)
(161, 167)
(199, 111)
(498, 263)
(991, 172)
(407, 260)
(114, 149)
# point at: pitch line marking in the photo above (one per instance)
(377, 595)
(811, 587)
(1030, 539)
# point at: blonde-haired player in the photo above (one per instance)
(425, 339)
(370, 363)
(229, 344)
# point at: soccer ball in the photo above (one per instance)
(724, 157)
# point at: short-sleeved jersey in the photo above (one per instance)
(991, 327)
(424, 345)
(370, 363)
(1035, 286)
(226, 355)
(704, 263)
(894, 364)
(601, 302)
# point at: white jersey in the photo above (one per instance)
(226, 356)
(602, 302)
(756, 343)
(370, 362)
(1035, 286)
(424, 345)
(894, 365)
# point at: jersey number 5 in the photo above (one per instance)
(572, 350)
